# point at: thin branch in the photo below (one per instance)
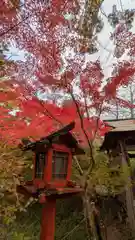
(71, 232)
(103, 12)
(104, 47)
(82, 127)
(13, 27)
(47, 113)
(97, 122)
(121, 5)
(50, 114)
(78, 165)
(87, 112)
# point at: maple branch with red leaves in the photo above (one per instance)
(82, 126)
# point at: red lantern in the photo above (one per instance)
(52, 167)
(52, 174)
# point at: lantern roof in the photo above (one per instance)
(62, 136)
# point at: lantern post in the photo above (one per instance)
(48, 220)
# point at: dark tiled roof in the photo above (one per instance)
(121, 125)
(123, 129)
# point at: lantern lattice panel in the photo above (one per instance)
(59, 165)
(40, 164)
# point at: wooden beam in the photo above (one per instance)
(128, 188)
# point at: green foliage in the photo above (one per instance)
(3, 48)
(20, 236)
(110, 180)
(103, 178)
(132, 164)
(70, 222)
(12, 166)
(1, 62)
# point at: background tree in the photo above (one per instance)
(122, 23)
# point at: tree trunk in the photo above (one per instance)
(92, 220)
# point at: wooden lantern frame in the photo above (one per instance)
(47, 172)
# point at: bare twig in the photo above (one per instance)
(74, 229)
(46, 112)
(92, 162)
(121, 5)
(78, 165)
(97, 122)
(14, 26)
(103, 12)
(17, 24)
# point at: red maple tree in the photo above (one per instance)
(45, 34)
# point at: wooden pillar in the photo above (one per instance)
(48, 220)
(129, 191)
